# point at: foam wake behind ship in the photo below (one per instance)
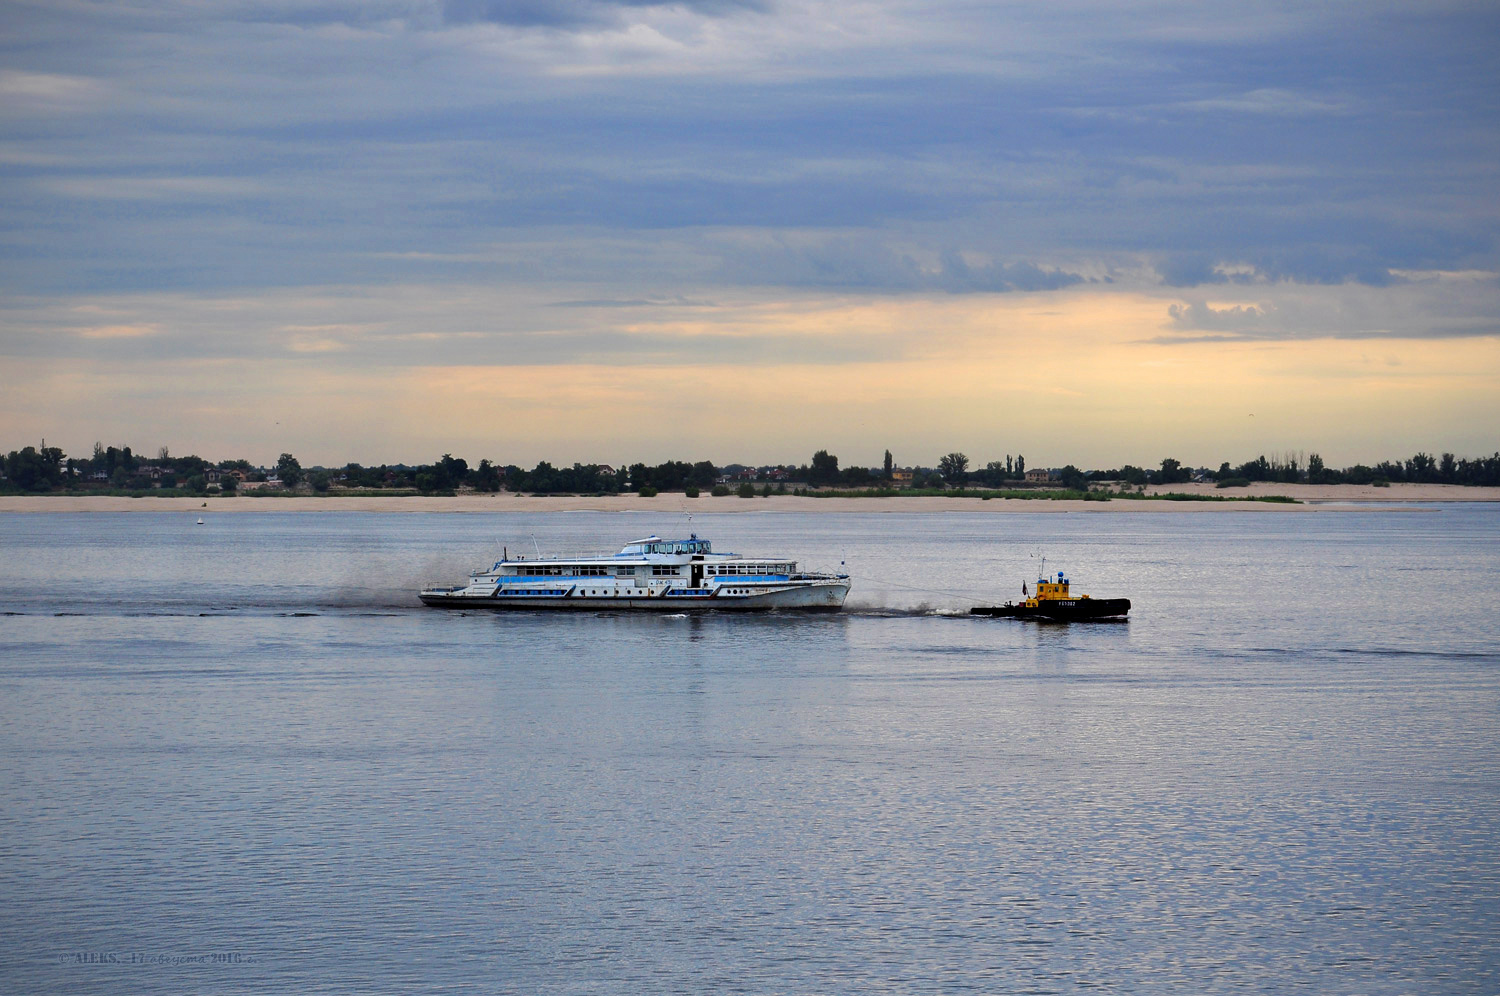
(650, 574)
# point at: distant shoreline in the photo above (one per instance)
(1313, 498)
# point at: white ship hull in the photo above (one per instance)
(811, 596)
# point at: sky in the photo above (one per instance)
(744, 230)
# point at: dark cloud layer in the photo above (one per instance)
(733, 142)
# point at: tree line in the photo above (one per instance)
(47, 468)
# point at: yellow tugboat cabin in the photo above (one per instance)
(1051, 590)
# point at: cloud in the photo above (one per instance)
(119, 331)
(614, 303)
(577, 13)
(1199, 316)
(1302, 265)
(875, 264)
(566, 180)
(1434, 307)
(154, 188)
(1266, 100)
(27, 93)
(915, 374)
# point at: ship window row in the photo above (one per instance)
(568, 572)
(729, 569)
(686, 546)
(660, 571)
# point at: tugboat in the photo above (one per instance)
(1052, 601)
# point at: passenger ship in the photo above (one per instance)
(648, 574)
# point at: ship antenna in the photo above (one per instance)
(535, 547)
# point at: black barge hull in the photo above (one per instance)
(1060, 610)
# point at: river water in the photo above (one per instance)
(238, 757)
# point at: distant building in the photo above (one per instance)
(1039, 476)
(902, 476)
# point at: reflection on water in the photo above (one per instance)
(244, 741)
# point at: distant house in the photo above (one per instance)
(99, 475)
(603, 468)
(1039, 476)
(902, 476)
(778, 474)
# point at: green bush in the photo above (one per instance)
(1233, 482)
(1381, 482)
(747, 490)
(647, 491)
(690, 491)
(720, 491)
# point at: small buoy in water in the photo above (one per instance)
(200, 520)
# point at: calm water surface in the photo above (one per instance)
(237, 758)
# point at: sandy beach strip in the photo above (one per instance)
(1316, 498)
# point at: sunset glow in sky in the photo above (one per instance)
(743, 230)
